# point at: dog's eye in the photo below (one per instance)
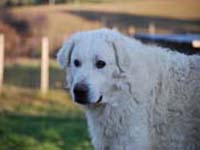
(100, 64)
(77, 63)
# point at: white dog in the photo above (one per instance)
(136, 96)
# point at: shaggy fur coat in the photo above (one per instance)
(155, 98)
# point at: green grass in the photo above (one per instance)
(32, 121)
(26, 132)
(22, 74)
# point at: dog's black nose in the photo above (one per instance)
(81, 93)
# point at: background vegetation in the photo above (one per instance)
(31, 121)
(11, 3)
(58, 22)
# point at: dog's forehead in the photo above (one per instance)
(91, 45)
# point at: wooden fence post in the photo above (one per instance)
(152, 28)
(131, 31)
(115, 28)
(196, 43)
(52, 2)
(104, 21)
(45, 66)
(1, 61)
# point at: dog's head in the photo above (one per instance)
(96, 62)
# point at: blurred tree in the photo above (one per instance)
(10, 3)
(21, 36)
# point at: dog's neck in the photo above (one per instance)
(109, 121)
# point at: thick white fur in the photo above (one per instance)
(151, 96)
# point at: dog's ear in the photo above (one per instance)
(118, 57)
(122, 56)
(64, 54)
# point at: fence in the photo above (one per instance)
(44, 74)
(44, 84)
(45, 66)
(1, 61)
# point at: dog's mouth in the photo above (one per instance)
(97, 103)
(87, 103)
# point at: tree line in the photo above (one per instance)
(10, 3)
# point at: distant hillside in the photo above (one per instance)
(58, 22)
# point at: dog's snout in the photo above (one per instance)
(80, 89)
(81, 93)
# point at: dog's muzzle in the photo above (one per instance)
(81, 92)
(81, 95)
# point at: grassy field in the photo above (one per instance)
(31, 121)
(28, 74)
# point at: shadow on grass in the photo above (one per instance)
(124, 20)
(26, 132)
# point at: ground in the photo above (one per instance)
(31, 121)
